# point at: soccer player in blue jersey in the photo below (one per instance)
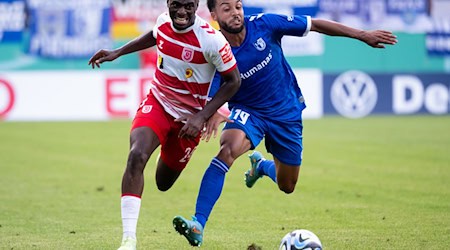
(268, 104)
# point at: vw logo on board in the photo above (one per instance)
(354, 94)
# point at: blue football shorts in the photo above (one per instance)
(283, 139)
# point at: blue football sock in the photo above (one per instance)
(210, 189)
(267, 167)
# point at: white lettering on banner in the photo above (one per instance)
(68, 4)
(12, 16)
(438, 42)
(406, 5)
(300, 3)
(6, 97)
(403, 85)
(351, 6)
(60, 47)
(435, 98)
(138, 9)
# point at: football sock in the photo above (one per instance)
(210, 189)
(130, 206)
(267, 167)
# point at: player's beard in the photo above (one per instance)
(229, 29)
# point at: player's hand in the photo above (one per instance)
(377, 38)
(102, 56)
(193, 124)
(212, 125)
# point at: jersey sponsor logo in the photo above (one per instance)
(187, 55)
(208, 28)
(226, 54)
(189, 72)
(147, 108)
(258, 67)
(260, 44)
(354, 94)
(160, 62)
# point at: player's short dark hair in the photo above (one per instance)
(211, 4)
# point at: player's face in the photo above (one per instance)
(182, 13)
(229, 14)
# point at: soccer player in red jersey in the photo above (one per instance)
(175, 110)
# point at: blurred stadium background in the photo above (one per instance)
(45, 46)
(365, 172)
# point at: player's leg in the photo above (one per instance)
(175, 155)
(233, 144)
(236, 139)
(165, 176)
(285, 142)
(287, 176)
(148, 132)
(143, 141)
(259, 167)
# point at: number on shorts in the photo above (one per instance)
(241, 116)
(188, 154)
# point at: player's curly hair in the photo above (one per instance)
(211, 4)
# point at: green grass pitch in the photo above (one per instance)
(373, 183)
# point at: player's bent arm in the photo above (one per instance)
(373, 38)
(142, 42)
(229, 87)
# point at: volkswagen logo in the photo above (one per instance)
(354, 94)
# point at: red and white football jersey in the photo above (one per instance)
(187, 61)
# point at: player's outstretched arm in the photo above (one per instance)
(139, 43)
(374, 38)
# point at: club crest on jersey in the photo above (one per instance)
(260, 44)
(187, 55)
(189, 72)
(147, 108)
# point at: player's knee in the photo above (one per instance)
(163, 186)
(226, 154)
(288, 187)
(136, 160)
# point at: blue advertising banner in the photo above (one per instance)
(406, 6)
(355, 94)
(438, 43)
(12, 20)
(70, 28)
(438, 40)
(340, 6)
(287, 7)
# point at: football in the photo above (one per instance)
(300, 239)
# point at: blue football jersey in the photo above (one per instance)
(268, 85)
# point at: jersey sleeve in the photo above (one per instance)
(220, 54)
(215, 84)
(293, 25)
